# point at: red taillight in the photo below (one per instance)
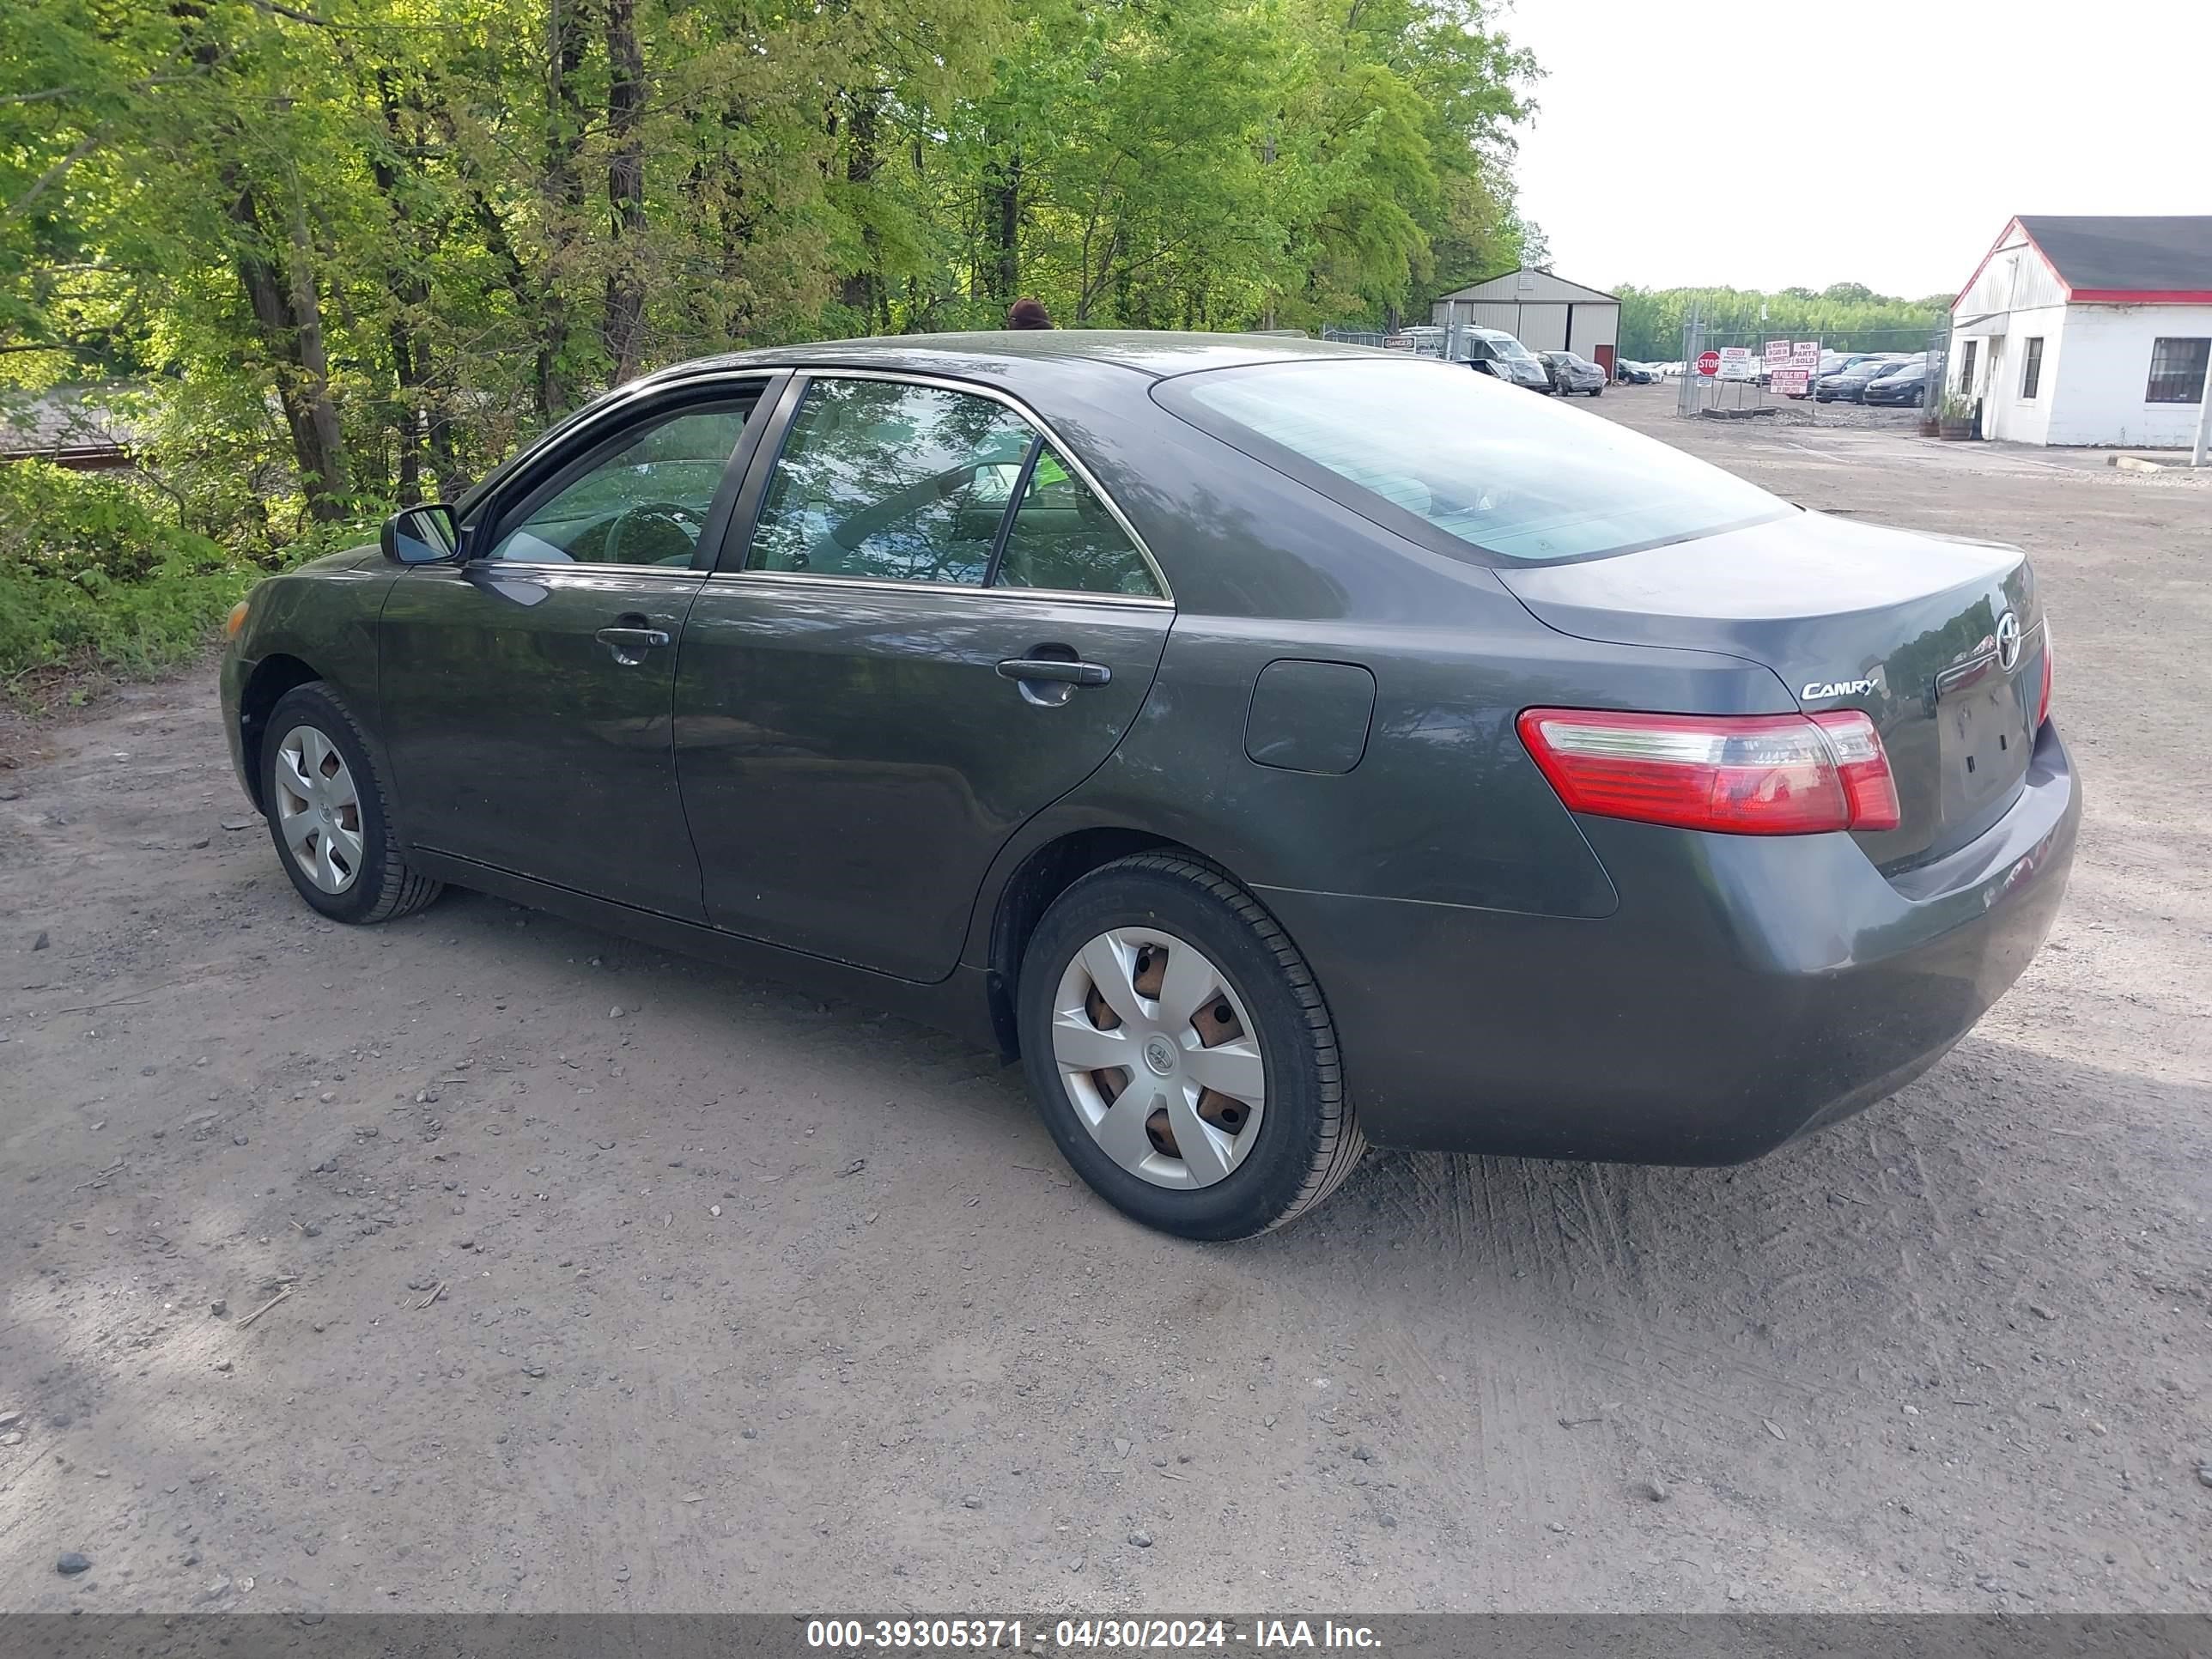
(1755, 774)
(2043, 702)
(1864, 767)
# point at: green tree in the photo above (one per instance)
(1651, 320)
(354, 251)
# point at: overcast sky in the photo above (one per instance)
(1934, 122)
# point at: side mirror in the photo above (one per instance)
(421, 535)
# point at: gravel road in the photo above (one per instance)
(581, 1277)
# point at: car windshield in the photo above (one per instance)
(1509, 347)
(1424, 447)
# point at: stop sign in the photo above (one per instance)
(1709, 362)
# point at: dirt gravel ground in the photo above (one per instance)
(613, 1281)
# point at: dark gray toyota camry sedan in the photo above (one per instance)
(1279, 747)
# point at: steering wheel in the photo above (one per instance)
(655, 525)
(855, 527)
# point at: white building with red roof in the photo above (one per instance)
(2089, 331)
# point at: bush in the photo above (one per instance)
(97, 567)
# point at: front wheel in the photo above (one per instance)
(328, 814)
(1181, 1052)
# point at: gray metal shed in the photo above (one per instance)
(1543, 311)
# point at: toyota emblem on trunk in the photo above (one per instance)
(2007, 642)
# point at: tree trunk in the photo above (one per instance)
(289, 317)
(285, 325)
(1004, 187)
(324, 502)
(410, 421)
(563, 191)
(411, 289)
(620, 326)
(863, 289)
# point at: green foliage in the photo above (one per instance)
(98, 566)
(1845, 316)
(355, 251)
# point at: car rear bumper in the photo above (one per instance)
(1748, 990)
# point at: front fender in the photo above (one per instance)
(317, 622)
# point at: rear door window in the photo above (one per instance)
(891, 481)
(1063, 538)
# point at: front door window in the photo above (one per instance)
(646, 504)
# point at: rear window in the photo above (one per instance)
(1424, 448)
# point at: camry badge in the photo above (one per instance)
(1812, 688)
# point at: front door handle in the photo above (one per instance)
(629, 645)
(1052, 668)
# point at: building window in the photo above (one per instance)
(2177, 370)
(2031, 369)
(1967, 370)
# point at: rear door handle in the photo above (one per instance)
(1052, 668)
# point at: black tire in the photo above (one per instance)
(1597, 391)
(385, 888)
(1308, 1138)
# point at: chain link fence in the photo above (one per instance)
(1939, 370)
(1423, 340)
(1744, 385)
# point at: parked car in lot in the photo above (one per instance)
(1831, 363)
(1630, 373)
(1570, 372)
(1906, 385)
(1493, 352)
(1278, 746)
(1850, 385)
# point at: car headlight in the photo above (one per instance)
(236, 620)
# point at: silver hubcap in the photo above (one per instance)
(318, 809)
(1159, 1057)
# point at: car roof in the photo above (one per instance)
(1022, 362)
(1001, 353)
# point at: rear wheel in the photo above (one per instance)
(327, 812)
(1181, 1052)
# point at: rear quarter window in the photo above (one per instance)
(1465, 463)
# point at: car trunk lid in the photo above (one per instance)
(1909, 626)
